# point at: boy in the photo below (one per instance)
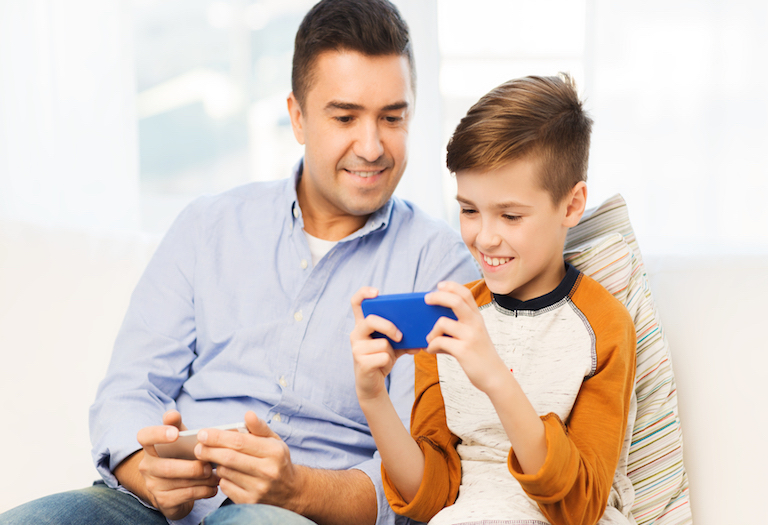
(522, 403)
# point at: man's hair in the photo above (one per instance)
(539, 116)
(370, 27)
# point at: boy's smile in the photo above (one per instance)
(513, 229)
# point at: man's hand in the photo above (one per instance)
(254, 467)
(170, 485)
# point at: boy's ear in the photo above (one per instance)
(294, 111)
(576, 202)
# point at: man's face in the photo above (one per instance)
(513, 229)
(354, 126)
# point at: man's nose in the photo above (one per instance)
(368, 145)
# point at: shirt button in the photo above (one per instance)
(283, 382)
(277, 418)
(304, 264)
(298, 316)
(296, 211)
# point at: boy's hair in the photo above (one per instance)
(370, 27)
(533, 115)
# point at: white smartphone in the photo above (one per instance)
(184, 446)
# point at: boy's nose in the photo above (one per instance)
(487, 237)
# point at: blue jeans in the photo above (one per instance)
(254, 515)
(101, 505)
(96, 505)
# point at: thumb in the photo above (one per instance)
(257, 426)
(173, 418)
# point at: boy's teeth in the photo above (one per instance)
(495, 261)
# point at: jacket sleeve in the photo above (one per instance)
(573, 485)
(442, 467)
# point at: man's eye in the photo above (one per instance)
(344, 119)
(393, 120)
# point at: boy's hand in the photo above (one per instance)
(374, 358)
(466, 339)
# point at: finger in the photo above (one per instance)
(445, 327)
(171, 500)
(150, 436)
(444, 345)
(374, 323)
(257, 426)
(173, 417)
(366, 292)
(376, 362)
(176, 469)
(462, 306)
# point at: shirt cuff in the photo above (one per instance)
(434, 491)
(561, 466)
(372, 468)
(202, 508)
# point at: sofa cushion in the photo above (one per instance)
(604, 247)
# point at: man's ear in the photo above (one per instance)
(294, 111)
(576, 202)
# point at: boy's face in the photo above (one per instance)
(513, 229)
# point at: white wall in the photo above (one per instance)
(68, 147)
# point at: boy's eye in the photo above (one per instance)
(468, 211)
(511, 217)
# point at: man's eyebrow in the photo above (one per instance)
(396, 106)
(347, 106)
(350, 106)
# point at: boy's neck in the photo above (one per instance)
(559, 292)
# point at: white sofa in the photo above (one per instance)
(63, 295)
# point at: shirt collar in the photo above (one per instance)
(563, 290)
(379, 220)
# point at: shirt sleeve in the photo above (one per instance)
(153, 350)
(446, 258)
(573, 485)
(442, 467)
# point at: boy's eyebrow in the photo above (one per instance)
(351, 106)
(498, 205)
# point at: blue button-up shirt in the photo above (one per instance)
(230, 315)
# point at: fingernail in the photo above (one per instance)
(202, 436)
(399, 335)
(171, 433)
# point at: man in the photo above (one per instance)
(244, 313)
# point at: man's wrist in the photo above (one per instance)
(129, 476)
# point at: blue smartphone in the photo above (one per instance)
(410, 314)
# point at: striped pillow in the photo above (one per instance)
(604, 247)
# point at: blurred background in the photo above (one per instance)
(114, 114)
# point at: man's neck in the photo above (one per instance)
(331, 228)
(329, 225)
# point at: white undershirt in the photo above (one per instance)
(318, 247)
